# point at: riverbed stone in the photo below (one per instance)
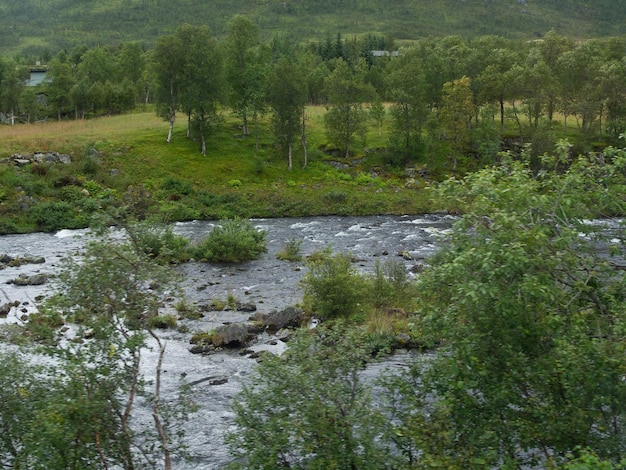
(287, 317)
(235, 334)
(246, 307)
(25, 280)
(6, 308)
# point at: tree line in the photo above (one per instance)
(446, 96)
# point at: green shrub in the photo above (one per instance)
(321, 255)
(291, 250)
(51, 216)
(160, 242)
(187, 311)
(336, 197)
(334, 288)
(313, 406)
(90, 166)
(39, 169)
(363, 179)
(163, 322)
(175, 211)
(232, 241)
(71, 193)
(391, 286)
(380, 343)
(175, 186)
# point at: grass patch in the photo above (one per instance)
(124, 162)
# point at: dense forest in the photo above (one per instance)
(35, 27)
(449, 102)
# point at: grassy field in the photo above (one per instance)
(121, 158)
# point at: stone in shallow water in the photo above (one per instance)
(287, 317)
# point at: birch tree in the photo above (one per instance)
(286, 95)
(167, 69)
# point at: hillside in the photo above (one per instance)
(31, 27)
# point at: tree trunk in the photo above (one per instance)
(256, 132)
(600, 117)
(306, 158)
(348, 128)
(246, 131)
(202, 139)
(290, 156)
(501, 114)
(171, 130)
(188, 124)
(156, 412)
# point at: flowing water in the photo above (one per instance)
(269, 283)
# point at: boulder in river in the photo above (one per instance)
(6, 308)
(233, 335)
(287, 317)
(25, 280)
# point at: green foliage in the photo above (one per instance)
(530, 316)
(159, 242)
(310, 408)
(291, 250)
(163, 322)
(287, 96)
(346, 117)
(90, 166)
(232, 241)
(52, 216)
(173, 186)
(336, 197)
(334, 288)
(299, 21)
(391, 286)
(74, 411)
(186, 310)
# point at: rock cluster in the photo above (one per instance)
(7, 261)
(26, 280)
(37, 157)
(238, 335)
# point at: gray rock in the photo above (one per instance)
(284, 334)
(246, 307)
(259, 316)
(288, 317)
(213, 380)
(235, 334)
(202, 349)
(6, 308)
(24, 280)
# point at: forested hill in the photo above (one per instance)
(31, 26)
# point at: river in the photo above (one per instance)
(269, 283)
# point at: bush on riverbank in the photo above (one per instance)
(232, 241)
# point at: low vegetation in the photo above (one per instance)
(525, 308)
(232, 241)
(137, 174)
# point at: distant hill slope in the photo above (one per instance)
(31, 26)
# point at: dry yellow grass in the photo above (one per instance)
(67, 136)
